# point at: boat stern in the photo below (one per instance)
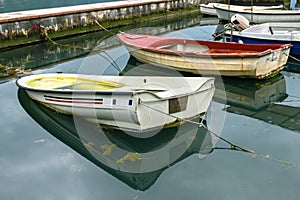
(272, 63)
(160, 112)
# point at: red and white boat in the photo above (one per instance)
(207, 57)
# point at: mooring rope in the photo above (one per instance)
(108, 58)
(113, 62)
(104, 28)
(201, 124)
(233, 147)
(298, 60)
(66, 45)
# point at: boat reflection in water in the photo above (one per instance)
(135, 161)
(261, 100)
(253, 94)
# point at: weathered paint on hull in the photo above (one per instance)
(250, 67)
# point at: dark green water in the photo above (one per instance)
(47, 155)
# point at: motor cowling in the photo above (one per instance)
(240, 21)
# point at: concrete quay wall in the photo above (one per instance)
(248, 2)
(33, 22)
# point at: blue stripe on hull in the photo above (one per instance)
(295, 50)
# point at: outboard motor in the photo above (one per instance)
(240, 21)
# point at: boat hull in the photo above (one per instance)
(137, 110)
(246, 67)
(208, 9)
(260, 16)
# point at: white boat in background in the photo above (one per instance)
(269, 33)
(134, 103)
(209, 8)
(256, 15)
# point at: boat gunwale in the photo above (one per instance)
(261, 12)
(110, 92)
(262, 38)
(62, 91)
(215, 55)
(72, 91)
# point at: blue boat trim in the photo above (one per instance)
(295, 49)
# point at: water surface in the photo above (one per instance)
(43, 157)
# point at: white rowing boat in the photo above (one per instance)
(129, 102)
